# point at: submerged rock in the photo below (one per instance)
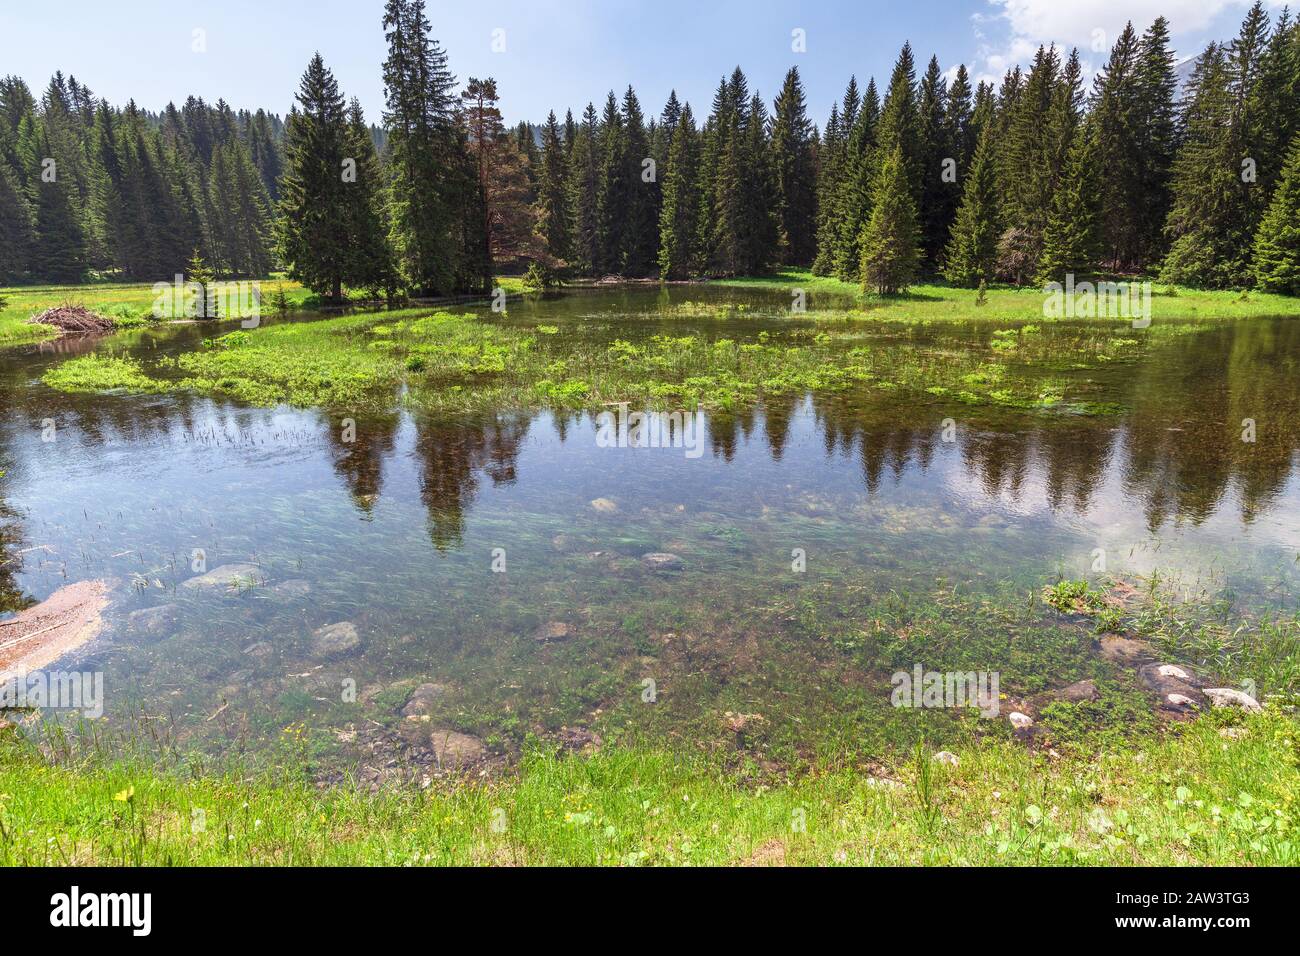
(1124, 649)
(422, 699)
(553, 631)
(1228, 697)
(292, 589)
(580, 739)
(228, 575)
(662, 561)
(153, 621)
(335, 640)
(604, 505)
(456, 750)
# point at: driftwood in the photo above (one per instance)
(74, 318)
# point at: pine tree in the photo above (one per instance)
(313, 229)
(506, 193)
(1277, 244)
(853, 204)
(1070, 243)
(1205, 222)
(369, 264)
(1217, 196)
(890, 256)
(1158, 138)
(934, 209)
(972, 253)
(612, 191)
(641, 228)
(553, 213)
(60, 250)
(678, 219)
(584, 180)
(794, 174)
(16, 236)
(436, 206)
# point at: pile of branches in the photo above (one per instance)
(73, 318)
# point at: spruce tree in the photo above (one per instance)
(640, 234)
(59, 254)
(853, 204)
(313, 229)
(1070, 239)
(584, 180)
(369, 264)
(794, 174)
(972, 253)
(612, 189)
(678, 219)
(554, 220)
(1277, 244)
(934, 208)
(890, 255)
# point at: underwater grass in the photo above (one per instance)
(1194, 798)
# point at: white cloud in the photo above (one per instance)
(1090, 25)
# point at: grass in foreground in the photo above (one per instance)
(1195, 797)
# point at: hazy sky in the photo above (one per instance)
(558, 53)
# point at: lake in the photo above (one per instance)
(821, 543)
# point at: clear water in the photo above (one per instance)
(907, 538)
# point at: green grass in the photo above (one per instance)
(1196, 797)
(930, 302)
(100, 373)
(130, 303)
(450, 362)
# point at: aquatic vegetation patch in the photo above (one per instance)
(102, 373)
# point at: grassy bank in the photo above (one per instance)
(130, 302)
(1202, 796)
(929, 302)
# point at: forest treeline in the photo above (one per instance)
(1021, 181)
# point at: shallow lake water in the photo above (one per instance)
(915, 549)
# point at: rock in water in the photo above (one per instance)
(1227, 697)
(552, 631)
(422, 699)
(335, 640)
(228, 575)
(153, 621)
(293, 589)
(455, 750)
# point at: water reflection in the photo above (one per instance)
(1176, 455)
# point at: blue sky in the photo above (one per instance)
(558, 53)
